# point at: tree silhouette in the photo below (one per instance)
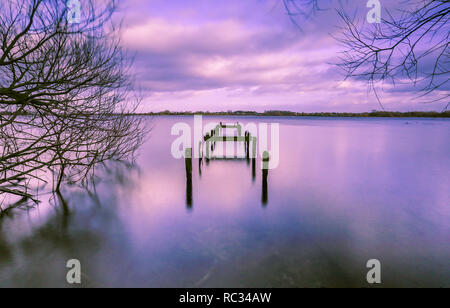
(409, 46)
(65, 95)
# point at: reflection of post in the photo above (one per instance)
(253, 169)
(245, 142)
(254, 139)
(253, 157)
(265, 173)
(188, 161)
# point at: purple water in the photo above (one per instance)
(345, 191)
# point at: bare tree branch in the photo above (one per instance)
(409, 47)
(64, 95)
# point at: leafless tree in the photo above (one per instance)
(409, 46)
(301, 9)
(65, 95)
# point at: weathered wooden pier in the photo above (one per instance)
(206, 149)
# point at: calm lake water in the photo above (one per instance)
(345, 191)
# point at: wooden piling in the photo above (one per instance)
(247, 145)
(200, 158)
(217, 131)
(265, 173)
(207, 147)
(253, 169)
(254, 139)
(188, 163)
(265, 160)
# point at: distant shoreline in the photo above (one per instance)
(379, 114)
(373, 114)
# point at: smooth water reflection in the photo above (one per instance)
(345, 191)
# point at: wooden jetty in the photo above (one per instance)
(206, 149)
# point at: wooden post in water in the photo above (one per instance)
(217, 131)
(245, 143)
(253, 169)
(188, 163)
(207, 155)
(247, 146)
(188, 160)
(212, 143)
(200, 158)
(265, 173)
(212, 135)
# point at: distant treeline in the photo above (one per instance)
(385, 114)
(422, 114)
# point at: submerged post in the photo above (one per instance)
(207, 147)
(254, 139)
(253, 169)
(247, 146)
(218, 128)
(265, 173)
(200, 158)
(188, 160)
(188, 163)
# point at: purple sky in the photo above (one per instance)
(246, 55)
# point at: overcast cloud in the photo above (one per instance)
(246, 55)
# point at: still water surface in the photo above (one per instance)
(345, 191)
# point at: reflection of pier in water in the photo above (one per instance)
(208, 146)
